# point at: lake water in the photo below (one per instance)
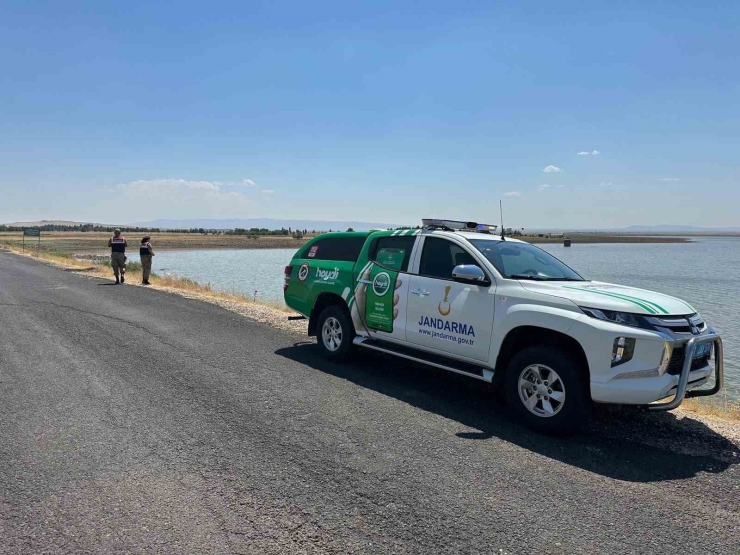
(706, 273)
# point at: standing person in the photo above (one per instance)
(146, 252)
(117, 245)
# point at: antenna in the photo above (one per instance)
(501, 209)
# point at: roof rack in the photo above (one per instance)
(455, 225)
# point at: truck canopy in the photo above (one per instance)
(338, 246)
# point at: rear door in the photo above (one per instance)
(384, 285)
(444, 315)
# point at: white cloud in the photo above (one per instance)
(159, 185)
(543, 187)
(513, 194)
(153, 197)
(560, 186)
(669, 179)
(587, 153)
(267, 192)
(605, 184)
(248, 183)
(551, 169)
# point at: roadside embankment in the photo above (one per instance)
(718, 412)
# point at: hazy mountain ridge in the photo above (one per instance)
(670, 228)
(41, 223)
(268, 223)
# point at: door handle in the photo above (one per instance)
(420, 292)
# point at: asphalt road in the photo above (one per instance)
(137, 421)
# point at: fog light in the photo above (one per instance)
(622, 351)
(667, 354)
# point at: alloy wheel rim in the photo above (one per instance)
(331, 333)
(541, 390)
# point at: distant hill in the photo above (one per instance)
(662, 229)
(675, 229)
(42, 223)
(268, 223)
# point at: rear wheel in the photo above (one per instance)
(545, 388)
(335, 333)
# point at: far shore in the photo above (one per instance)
(96, 242)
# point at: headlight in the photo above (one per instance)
(623, 318)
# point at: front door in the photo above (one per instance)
(445, 315)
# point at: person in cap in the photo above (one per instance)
(146, 253)
(117, 245)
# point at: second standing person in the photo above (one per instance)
(146, 253)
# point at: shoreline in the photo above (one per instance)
(87, 243)
(720, 412)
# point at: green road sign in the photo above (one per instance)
(32, 232)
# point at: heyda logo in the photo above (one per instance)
(303, 272)
(381, 284)
(327, 275)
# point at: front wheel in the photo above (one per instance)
(546, 390)
(335, 333)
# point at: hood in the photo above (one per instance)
(607, 296)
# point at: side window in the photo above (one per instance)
(393, 252)
(341, 249)
(439, 257)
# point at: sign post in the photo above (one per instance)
(32, 232)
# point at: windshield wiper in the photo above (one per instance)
(527, 276)
(565, 279)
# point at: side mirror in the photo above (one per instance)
(469, 273)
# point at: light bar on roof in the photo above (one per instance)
(458, 225)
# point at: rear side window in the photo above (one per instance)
(341, 249)
(393, 252)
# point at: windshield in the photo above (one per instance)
(524, 261)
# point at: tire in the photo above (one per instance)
(562, 406)
(338, 345)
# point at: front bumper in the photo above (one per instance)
(676, 384)
(681, 392)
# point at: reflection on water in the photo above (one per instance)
(705, 273)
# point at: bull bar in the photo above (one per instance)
(683, 379)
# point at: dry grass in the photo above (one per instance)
(718, 406)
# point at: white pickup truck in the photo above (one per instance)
(453, 295)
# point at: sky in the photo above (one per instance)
(575, 114)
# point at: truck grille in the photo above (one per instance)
(676, 364)
(692, 323)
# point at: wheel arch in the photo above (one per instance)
(525, 336)
(322, 301)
